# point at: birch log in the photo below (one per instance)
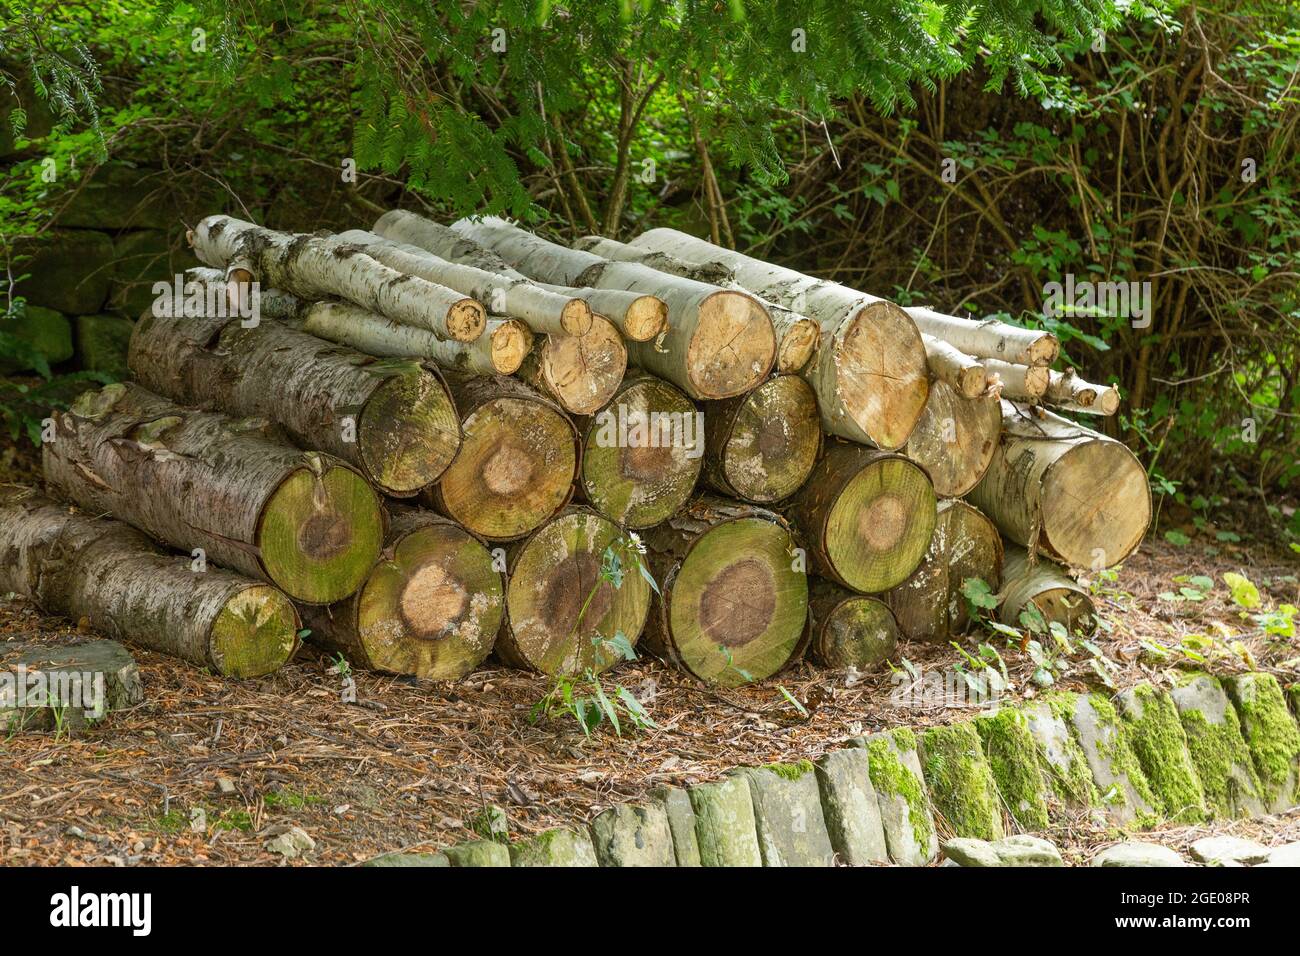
(311, 267)
(431, 606)
(1067, 391)
(796, 334)
(562, 617)
(989, 338)
(639, 317)
(733, 605)
(719, 342)
(955, 438)
(1060, 488)
(78, 566)
(869, 371)
(849, 629)
(866, 517)
(761, 446)
(1042, 588)
(929, 606)
(1026, 383)
(304, 521)
(517, 463)
(964, 375)
(641, 454)
(542, 310)
(392, 420)
(581, 372)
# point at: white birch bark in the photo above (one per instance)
(966, 375)
(1026, 383)
(989, 338)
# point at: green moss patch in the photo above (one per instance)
(1125, 786)
(1271, 734)
(1219, 752)
(1156, 735)
(1064, 764)
(790, 771)
(961, 784)
(893, 780)
(1014, 761)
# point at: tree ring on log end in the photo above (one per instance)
(319, 537)
(254, 634)
(1096, 504)
(733, 346)
(881, 373)
(880, 525)
(773, 441)
(408, 433)
(507, 472)
(584, 371)
(737, 605)
(432, 602)
(859, 632)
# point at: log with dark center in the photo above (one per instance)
(517, 462)
(562, 617)
(431, 607)
(78, 566)
(762, 445)
(849, 629)
(734, 596)
(306, 522)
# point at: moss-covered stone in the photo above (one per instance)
(409, 859)
(478, 853)
(905, 812)
(143, 257)
(68, 270)
(1156, 735)
(48, 332)
(84, 682)
(1271, 734)
(850, 807)
(1223, 761)
(1293, 698)
(960, 781)
(1065, 767)
(788, 815)
(681, 823)
(1017, 771)
(557, 847)
(724, 823)
(102, 342)
(633, 835)
(1122, 787)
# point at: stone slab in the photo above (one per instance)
(850, 807)
(905, 812)
(788, 815)
(725, 828)
(633, 835)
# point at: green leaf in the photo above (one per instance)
(1176, 537)
(803, 711)
(1244, 593)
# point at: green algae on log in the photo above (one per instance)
(432, 605)
(75, 565)
(762, 445)
(517, 463)
(641, 454)
(849, 629)
(866, 516)
(562, 615)
(733, 605)
(230, 488)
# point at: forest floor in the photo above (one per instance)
(205, 770)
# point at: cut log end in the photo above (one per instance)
(972, 382)
(955, 438)
(408, 433)
(254, 634)
(561, 614)
(583, 372)
(1043, 588)
(733, 346)
(1096, 504)
(319, 536)
(434, 609)
(797, 346)
(466, 320)
(511, 341)
(769, 442)
(1043, 351)
(850, 630)
(737, 607)
(515, 468)
(644, 476)
(882, 376)
(576, 317)
(880, 526)
(645, 318)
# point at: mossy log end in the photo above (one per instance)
(929, 605)
(560, 614)
(866, 517)
(392, 420)
(126, 586)
(733, 605)
(1044, 587)
(761, 446)
(1058, 487)
(431, 607)
(517, 463)
(641, 454)
(955, 438)
(308, 523)
(849, 629)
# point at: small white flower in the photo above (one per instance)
(637, 544)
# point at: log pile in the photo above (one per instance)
(427, 444)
